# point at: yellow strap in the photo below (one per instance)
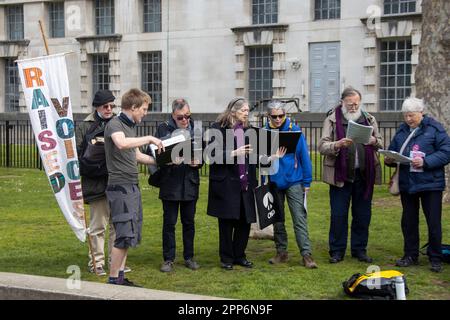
(383, 274)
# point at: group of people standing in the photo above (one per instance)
(351, 169)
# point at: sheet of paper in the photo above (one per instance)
(358, 132)
(395, 155)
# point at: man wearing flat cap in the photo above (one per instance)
(94, 177)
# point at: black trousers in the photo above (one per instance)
(432, 208)
(340, 199)
(233, 238)
(187, 213)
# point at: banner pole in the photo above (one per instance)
(44, 37)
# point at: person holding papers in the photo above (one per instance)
(293, 178)
(232, 178)
(123, 193)
(351, 170)
(421, 181)
(178, 190)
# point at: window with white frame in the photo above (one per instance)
(151, 78)
(56, 19)
(327, 9)
(260, 74)
(399, 6)
(11, 85)
(395, 74)
(264, 11)
(104, 17)
(14, 22)
(100, 72)
(152, 15)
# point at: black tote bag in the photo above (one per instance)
(268, 205)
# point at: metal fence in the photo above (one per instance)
(18, 148)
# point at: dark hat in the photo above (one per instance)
(102, 97)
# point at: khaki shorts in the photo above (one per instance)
(126, 213)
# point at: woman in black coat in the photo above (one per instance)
(232, 179)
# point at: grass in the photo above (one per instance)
(36, 239)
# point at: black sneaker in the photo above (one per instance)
(128, 283)
(407, 261)
(436, 266)
(335, 258)
(363, 257)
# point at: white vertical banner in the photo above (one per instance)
(46, 89)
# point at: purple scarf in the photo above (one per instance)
(240, 141)
(340, 173)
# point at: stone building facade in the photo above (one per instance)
(209, 51)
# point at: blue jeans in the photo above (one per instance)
(361, 213)
(295, 198)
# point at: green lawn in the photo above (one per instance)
(36, 239)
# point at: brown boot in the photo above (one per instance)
(281, 257)
(308, 262)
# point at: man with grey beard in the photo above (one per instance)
(351, 170)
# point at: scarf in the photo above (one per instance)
(340, 173)
(240, 141)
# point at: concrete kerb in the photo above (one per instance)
(15, 286)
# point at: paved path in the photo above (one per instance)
(23, 286)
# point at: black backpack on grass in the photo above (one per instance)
(445, 248)
(373, 286)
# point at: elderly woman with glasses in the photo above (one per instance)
(293, 179)
(421, 181)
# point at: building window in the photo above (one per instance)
(104, 17)
(327, 9)
(100, 72)
(11, 85)
(56, 15)
(14, 18)
(260, 61)
(395, 74)
(265, 11)
(152, 15)
(399, 6)
(152, 78)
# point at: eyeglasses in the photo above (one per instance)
(275, 116)
(186, 116)
(109, 105)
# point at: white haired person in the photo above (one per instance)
(421, 181)
(351, 169)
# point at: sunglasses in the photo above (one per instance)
(186, 116)
(110, 105)
(275, 116)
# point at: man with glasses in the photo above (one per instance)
(179, 189)
(293, 179)
(93, 181)
(351, 170)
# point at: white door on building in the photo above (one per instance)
(323, 76)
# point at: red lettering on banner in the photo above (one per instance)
(33, 74)
(44, 137)
(75, 190)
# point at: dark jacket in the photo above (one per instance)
(92, 188)
(179, 182)
(224, 195)
(432, 139)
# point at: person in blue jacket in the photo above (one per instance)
(293, 179)
(421, 181)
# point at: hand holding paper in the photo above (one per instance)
(358, 132)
